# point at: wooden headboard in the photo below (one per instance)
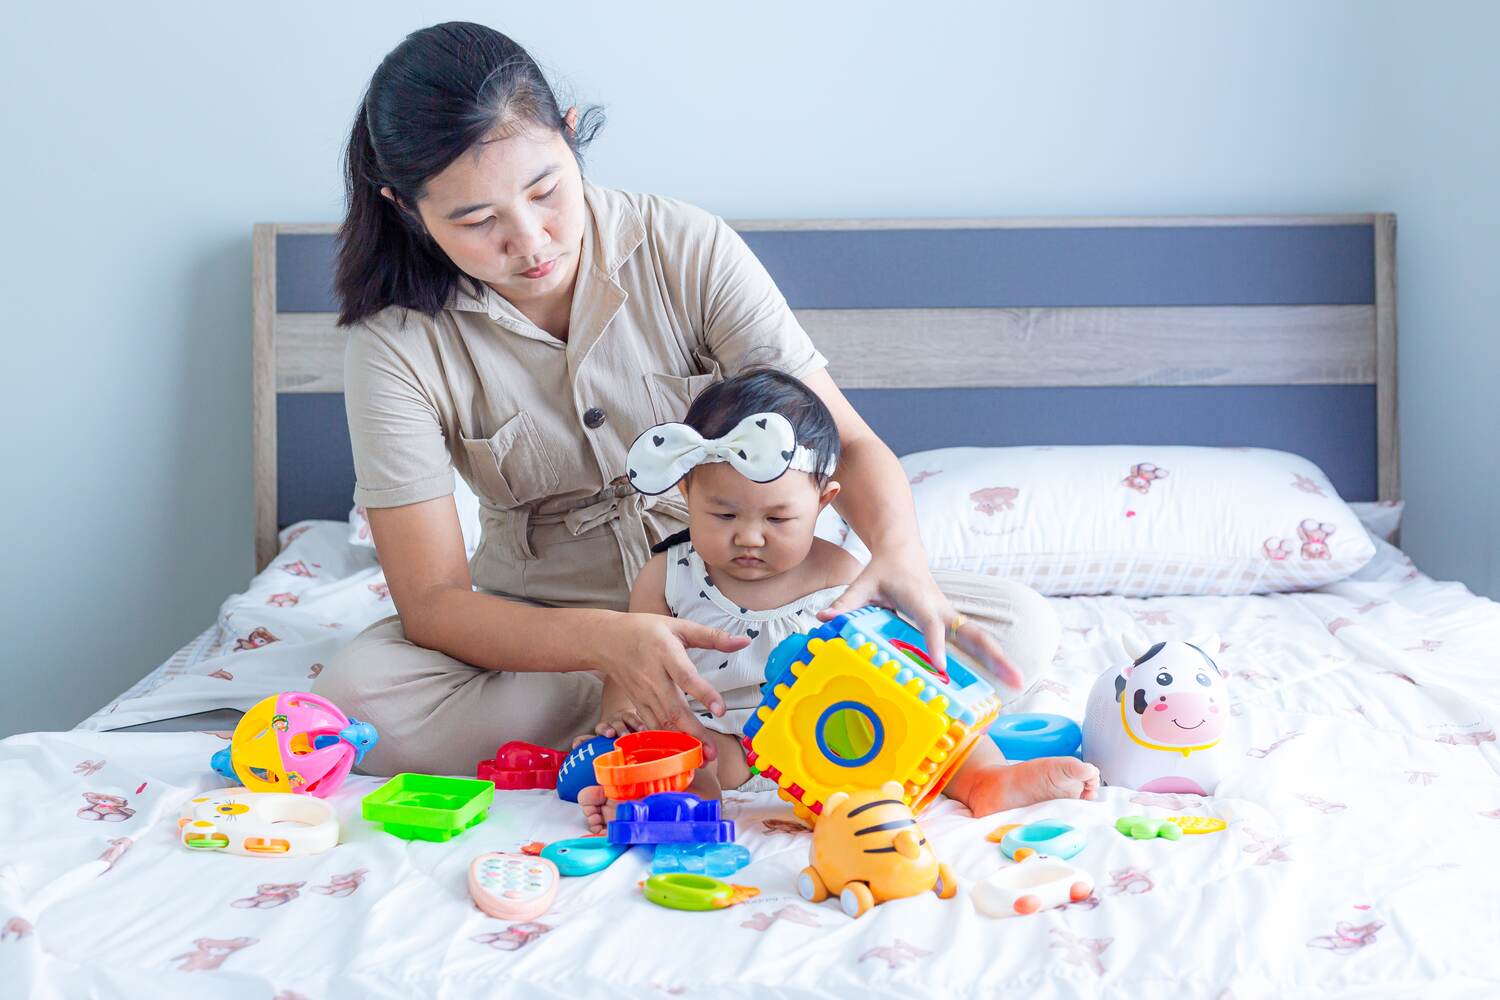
(1276, 331)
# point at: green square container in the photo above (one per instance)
(428, 807)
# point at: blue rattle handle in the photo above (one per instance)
(359, 735)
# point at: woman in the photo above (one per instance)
(514, 322)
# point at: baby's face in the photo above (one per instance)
(751, 531)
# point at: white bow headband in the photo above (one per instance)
(762, 447)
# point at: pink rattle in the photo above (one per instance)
(294, 742)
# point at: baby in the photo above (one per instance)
(754, 462)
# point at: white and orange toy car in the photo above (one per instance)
(1038, 883)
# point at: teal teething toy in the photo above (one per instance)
(1142, 828)
(1058, 840)
(582, 855)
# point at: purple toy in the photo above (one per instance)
(670, 818)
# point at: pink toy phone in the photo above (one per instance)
(513, 886)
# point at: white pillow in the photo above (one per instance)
(463, 499)
(1139, 521)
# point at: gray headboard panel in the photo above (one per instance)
(1273, 332)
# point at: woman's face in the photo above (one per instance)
(510, 213)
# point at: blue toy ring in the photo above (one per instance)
(1026, 736)
(1049, 837)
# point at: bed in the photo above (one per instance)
(1363, 819)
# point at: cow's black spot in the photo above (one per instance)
(657, 439)
(724, 664)
(1140, 702)
(682, 562)
(632, 473)
(1119, 686)
(743, 456)
(761, 424)
(753, 633)
(1150, 653)
(1164, 679)
(1209, 660)
(787, 455)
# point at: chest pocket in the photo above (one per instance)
(511, 467)
(671, 394)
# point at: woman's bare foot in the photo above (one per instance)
(597, 809)
(994, 787)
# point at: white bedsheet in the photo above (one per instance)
(1360, 856)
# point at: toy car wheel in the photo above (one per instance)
(856, 899)
(810, 887)
(1079, 891)
(947, 885)
(1028, 904)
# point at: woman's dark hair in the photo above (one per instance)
(433, 98)
(720, 407)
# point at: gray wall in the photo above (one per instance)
(141, 141)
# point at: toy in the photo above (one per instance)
(670, 818)
(294, 742)
(1160, 724)
(650, 761)
(1198, 824)
(512, 886)
(1049, 837)
(428, 807)
(1027, 736)
(856, 703)
(996, 835)
(713, 860)
(1144, 828)
(1039, 883)
(680, 891)
(262, 824)
(518, 765)
(868, 849)
(577, 772)
(583, 855)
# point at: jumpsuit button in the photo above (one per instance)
(593, 417)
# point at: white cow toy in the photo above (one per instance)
(1161, 723)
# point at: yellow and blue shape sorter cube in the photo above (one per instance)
(856, 703)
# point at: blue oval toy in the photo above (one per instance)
(1047, 836)
(1027, 736)
(577, 771)
(583, 855)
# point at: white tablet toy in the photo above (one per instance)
(259, 824)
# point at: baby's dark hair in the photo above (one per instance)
(720, 407)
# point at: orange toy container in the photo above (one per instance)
(648, 762)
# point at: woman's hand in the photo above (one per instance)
(644, 661)
(900, 580)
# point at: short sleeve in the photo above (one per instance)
(746, 320)
(400, 456)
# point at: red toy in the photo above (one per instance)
(518, 765)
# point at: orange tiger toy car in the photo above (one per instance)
(867, 849)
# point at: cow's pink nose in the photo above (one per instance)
(1159, 707)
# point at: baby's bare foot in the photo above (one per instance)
(1009, 786)
(597, 809)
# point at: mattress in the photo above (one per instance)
(1363, 823)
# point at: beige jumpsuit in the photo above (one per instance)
(668, 299)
